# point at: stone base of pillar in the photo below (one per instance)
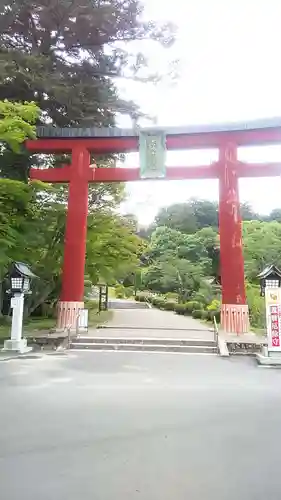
(235, 318)
(19, 346)
(67, 316)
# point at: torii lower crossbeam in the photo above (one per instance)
(227, 169)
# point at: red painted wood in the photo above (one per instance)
(258, 169)
(179, 141)
(54, 175)
(76, 229)
(57, 175)
(231, 249)
(172, 173)
(235, 318)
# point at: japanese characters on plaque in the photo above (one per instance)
(273, 317)
(152, 150)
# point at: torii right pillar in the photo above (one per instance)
(234, 311)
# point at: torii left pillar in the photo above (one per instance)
(72, 294)
(77, 175)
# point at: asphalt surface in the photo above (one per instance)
(143, 426)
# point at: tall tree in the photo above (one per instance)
(247, 213)
(262, 246)
(66, 55)
(275, 215)
(190, 216)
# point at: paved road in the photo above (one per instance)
(154, 323)
(140, 426)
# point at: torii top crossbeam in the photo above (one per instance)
(118, 140)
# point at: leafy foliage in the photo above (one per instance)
(196, 214)
(183, 262)
(262, 246)
(17, 122)
(112, 247)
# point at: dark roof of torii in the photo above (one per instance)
(91, 132)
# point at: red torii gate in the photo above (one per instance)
(226, 138)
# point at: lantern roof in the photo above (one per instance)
(23, 270)
(271, 270)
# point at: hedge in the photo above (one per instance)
(197, 313)
(180, 309)
(141, 297)
(192, 305)
(170, 305)
(193, 308)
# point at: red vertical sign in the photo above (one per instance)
(275, 322)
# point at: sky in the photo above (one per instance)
(229, 67)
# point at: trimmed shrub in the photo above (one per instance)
(171, 297)
(128, 291)
(170, 306)
(214, 306)
(192, 305)
(205, 315)
(180, 309)
(211, 315)
(214, 314)
(140, 297)
(119, 291)
(201, 298)
(156, 301)
(197, 313)
(218, 316)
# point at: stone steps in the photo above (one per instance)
(145, 344)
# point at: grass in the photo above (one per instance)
(96, 318)
(258, 331)
(45, 324)
(33, 324)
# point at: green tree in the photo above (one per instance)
(196, 214)
(168, 243)
(247, 213)
(262, 246)
(66, 55)
(189, 217)
(113, 250)
(179, 217)
(17, 122)
(14, 212)
(173, 275)
(275, 215)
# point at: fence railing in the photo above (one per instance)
(216, 334)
